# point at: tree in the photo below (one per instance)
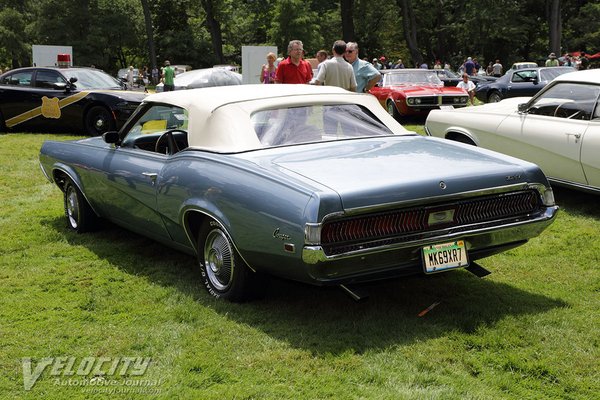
(214, 27)
(347, 14)
(149, 32)
(289, 24)
(410, 27)
(555, 25)
(13, 44)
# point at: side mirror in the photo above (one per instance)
(111, 137)
(535, 80)
(73, 79)
(59, 86)
(522, 108)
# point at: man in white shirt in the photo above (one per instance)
(336, 71)
(468, 86)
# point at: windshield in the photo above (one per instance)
(315, 123)
(412, 77)
(549, 74)
(92, 79)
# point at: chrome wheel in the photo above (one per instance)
(219, 260)
(72, 207)
(78, 212)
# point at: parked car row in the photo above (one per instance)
(313, 183)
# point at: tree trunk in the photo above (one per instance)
(409, 26)
(149, 33)
(555, 26)
(214, 27)
(347, 13)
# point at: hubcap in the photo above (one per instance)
(100, 123)
(72, 207)
(218, 256)
(390, 109)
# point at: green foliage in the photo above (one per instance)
(111, 33)
(292, 20)
(586, 29)
(14, 49)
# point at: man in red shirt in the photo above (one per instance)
(294, 69)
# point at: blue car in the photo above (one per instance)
(524, 82)
(310, 183)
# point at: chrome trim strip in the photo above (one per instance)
(574, 185)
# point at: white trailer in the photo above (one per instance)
(47, 56)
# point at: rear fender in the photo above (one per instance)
(455, 132)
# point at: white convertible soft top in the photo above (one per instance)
(219, 117)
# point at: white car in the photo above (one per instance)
(205, 77)
(558, 129)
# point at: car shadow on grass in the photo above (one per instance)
(324, 320)
(577, 202)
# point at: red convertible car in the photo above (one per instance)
(408, 92)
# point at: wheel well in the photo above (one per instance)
(60, 178)
(193, 221)
(460, 137)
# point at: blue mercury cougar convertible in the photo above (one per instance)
(314, 184)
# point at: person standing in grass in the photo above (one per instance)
(168, 77)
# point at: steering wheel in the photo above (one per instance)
(170, 147)
(564, 112)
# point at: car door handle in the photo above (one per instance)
(151, 175)
(577, 136)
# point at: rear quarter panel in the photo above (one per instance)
(260, 210)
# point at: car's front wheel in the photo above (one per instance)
(224, 273)
(494, 97)
(98, 120)
(392, 110)
(80, 216)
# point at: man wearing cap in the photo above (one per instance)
(552, 61)
(365, 73)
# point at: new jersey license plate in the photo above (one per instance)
(444, 256)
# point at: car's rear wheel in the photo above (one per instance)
(98, 120)
(224, 273)
(80, 216)
(494, 97)
(392, 110)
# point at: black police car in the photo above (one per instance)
(78, 100)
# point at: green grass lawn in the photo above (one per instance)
(527, 331)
